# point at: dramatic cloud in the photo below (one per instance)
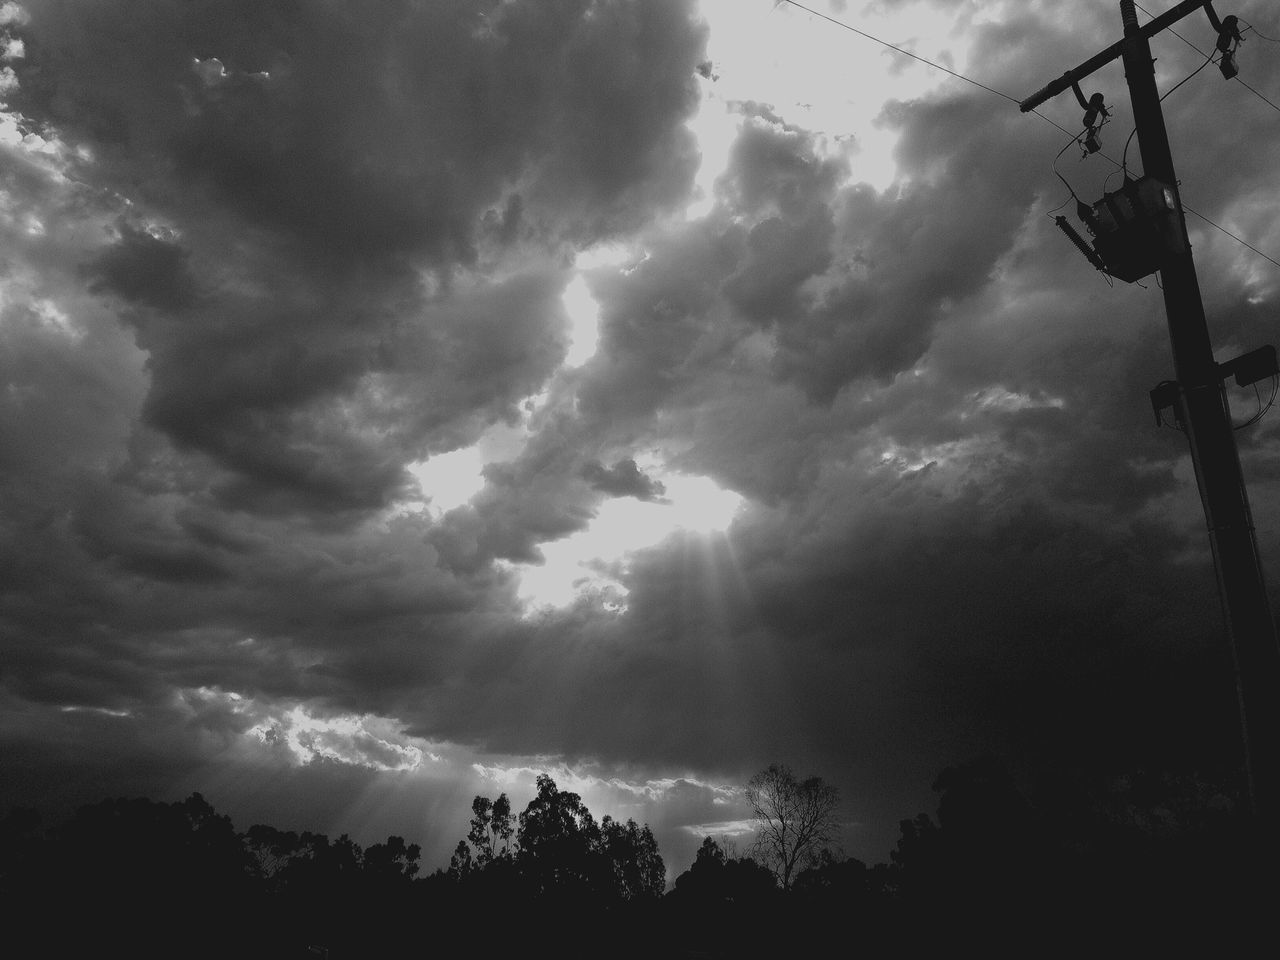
(404, 399)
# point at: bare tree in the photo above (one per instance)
(796, 819)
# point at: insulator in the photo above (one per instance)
(1128, 15)
(1229, 33)
(1228, 64)
(1065, 226)
(1094, 109)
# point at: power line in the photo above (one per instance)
(906, 53)
(1258, 95)
(1171, 30)
(1231, 235)
(1208, 60)
(1263, 36)
(1248, 27)
(924, 60)
(1000, 93)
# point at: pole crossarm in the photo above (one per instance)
(1072, 77)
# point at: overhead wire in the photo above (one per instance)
(1124, 156)
(1075, 139)
(1208, 60)
(906, 53)
(1049, 120)
(1263, 408)
(1209, 57)
(1237, 78)
(1171, 30)
(1262, 36)
(1231, 235)
(1269, 103)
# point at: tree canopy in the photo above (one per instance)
(795, 819)
(555, 848)
(1145, 853)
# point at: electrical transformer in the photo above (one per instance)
(1135, 228)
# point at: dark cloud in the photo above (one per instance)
(906, 259)
(623, 479)
(364, 131)
(304, 169)
(662, 323)
(145, 269)
(263, 259)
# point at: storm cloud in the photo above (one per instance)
(266, 261)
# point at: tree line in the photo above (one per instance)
(1157, 862)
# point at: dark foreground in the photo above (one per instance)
(1156, 868)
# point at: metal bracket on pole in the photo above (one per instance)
(1075, 88)
(1213, 17)
(1149, 29)
(1228, 30)
(1249, 368)
(1165, 397)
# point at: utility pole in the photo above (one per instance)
(1201, 403)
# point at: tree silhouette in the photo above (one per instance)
(461, 864)
(272, 851)
(555, 851)
(829, 878)
(136, 873)
(559, 841)
(1155, 860)
(796, 819)
(391, 862)
(492, 828)
(716, 877)
(632, 852)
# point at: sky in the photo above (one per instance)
(404, 399)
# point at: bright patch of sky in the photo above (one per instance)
(903, 460)
(358, 740)
(605, 790)
(101, 711)
(54, 319)
(607, 255)
(814, 74)
(294, 735)
(449, 480)
(11, 12)
(584, 322)
(297, 735)
(592, 561)
(998, 398)
(818, 75)
(722, 828)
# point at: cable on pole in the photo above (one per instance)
(905, 53)
(1046, 119)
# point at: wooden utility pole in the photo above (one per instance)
(1202, 408)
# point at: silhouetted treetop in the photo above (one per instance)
(556, 848)
(632, 852)
(715, 877)
(492, 828)
(795, 819)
